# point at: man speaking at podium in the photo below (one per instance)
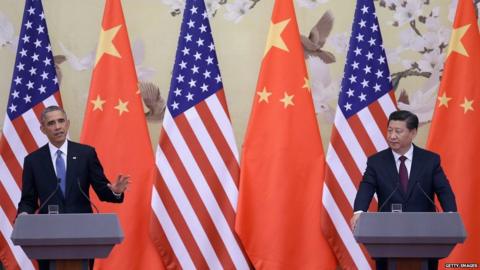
(404, 174)
(61, 172)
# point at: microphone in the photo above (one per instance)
(49, 196)
(388, 198)
(85, 195)
(424, 193)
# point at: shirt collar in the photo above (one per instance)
(63, 148)
(408, 154)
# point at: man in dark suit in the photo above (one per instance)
(72, 166)
(404, 174)
(61, 173)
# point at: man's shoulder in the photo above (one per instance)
(421, 152)
(39, 152)
(384, 154)
(79, 147)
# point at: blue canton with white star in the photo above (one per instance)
(34, 78)
(366, 77)
(196, 75)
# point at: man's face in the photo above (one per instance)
(399, 137)
(55, 126)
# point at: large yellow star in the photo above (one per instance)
(105, 44)
(443, 100)
(456, 41)
(97, 103)
(122, 106)
(306, 84)
(467, 105)
(287, 100)
(275, 36)
(264, 95)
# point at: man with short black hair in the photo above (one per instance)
(394, 173)
(62, 172)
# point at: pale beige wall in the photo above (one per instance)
(239, 47)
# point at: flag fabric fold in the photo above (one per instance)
(366, 100)
(282, 162)
(34, 86)
(115, 125)
(195, 197)
(455, 133)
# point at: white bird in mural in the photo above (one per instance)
(76, 62)
(7, 33)
(422, 101)
(86, 62)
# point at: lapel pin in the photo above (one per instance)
(74, 157)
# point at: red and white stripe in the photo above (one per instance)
(19, 137)
(352, 141)
(195, 199)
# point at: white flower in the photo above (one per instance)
(311, 4)
(388, 3)
(422, 101)
(324, 89)
(432, 23)
(409, 12)
(393, 55)
(411, 41)
(175, 4)
(212, 6)
(339, 42)
(430, 61)
(237, 10)
(432, 39)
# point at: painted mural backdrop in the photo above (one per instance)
(416, 34)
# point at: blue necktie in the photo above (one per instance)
(60, 164)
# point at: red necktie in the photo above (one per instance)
(403, 173)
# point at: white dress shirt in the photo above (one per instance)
(53, 154)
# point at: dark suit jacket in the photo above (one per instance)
(381, 176)
(83, 170)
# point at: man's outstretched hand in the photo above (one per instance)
(121, 184)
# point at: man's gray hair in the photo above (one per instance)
(52, 108)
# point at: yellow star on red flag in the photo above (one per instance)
(443, 100)
(264, 95)
(97, 103)
(274, 38)
(122, 107)
(105, 44)
(456, 44)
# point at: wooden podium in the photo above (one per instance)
(407, 240)
(67, 240)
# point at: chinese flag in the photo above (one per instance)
(455, 130)
(282, 163)
(115, 125)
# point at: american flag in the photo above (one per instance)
(34, 87)
(195, 199)
(365, 101)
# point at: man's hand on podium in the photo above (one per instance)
(353, 221)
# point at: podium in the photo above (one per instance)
(67, 240)
(407, 240)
